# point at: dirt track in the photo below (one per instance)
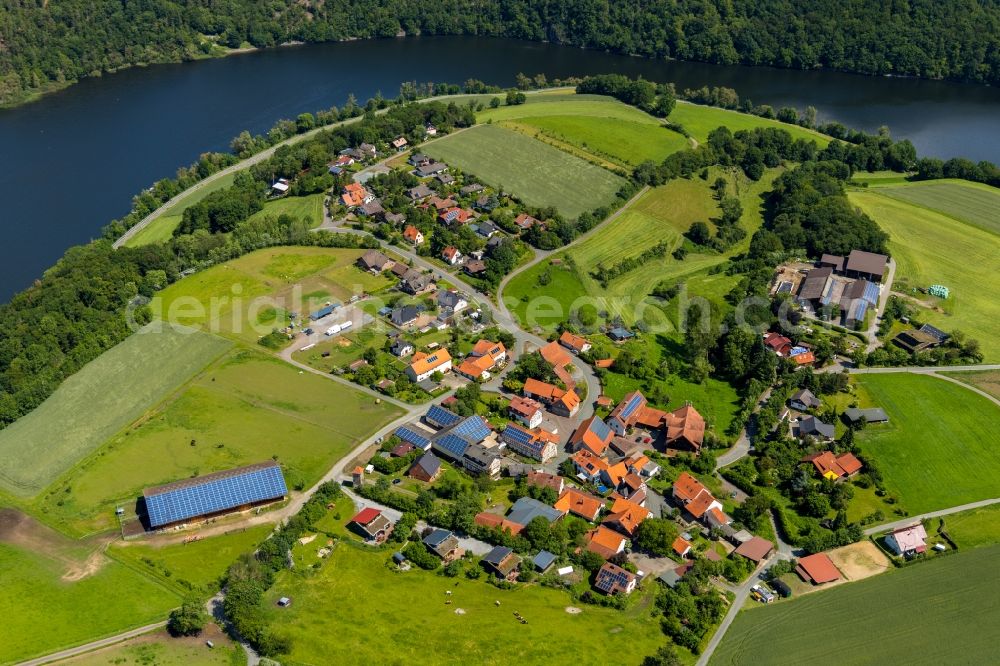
(80, 558)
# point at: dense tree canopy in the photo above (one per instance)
(46, 44)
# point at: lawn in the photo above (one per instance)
(248, 297)
(196, 565)
(341, 349)
(246, 408)
(973, 528)
(700, 120)
(92, 405)
(662, 214)
(44, 612)
(932, 248)
(163, 226)
(357, 610)
(974, 203)
(309, 207)
(534, 171)
(937, 612)
(941, 447)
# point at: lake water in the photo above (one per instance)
(70, 162)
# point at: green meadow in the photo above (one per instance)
(246, 408)
(44, 610)
(699, 120)
(937, 612)
(963, 200)
(536, 172)
(103, 397)
(309, 207)
(162, 228)
(934, 247)
(941, 447)
(161, 649)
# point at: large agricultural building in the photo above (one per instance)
(213, 494)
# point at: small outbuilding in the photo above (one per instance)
(817, 569)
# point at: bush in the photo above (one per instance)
(188, 620)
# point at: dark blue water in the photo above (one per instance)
(70, 162)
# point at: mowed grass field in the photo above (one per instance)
(534, 171)
(941, 447)
(249, 407)
(964, 200)
(974, 528)
(43, 612)
(309, 207)
(162, 228)
(931, 247)
(197, 565)
(699, 120)
(938, 612)
(357, 610)
(248, 297)
(599, 128)
(92, 405)
(662, 214)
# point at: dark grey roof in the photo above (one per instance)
(811, 425)
(814, 283)
(497, 555)
(806, 397)
(872, 415)
(428, 462)
(480, 455)
(834, 261)
(527, 509)
(421, 191)
(543, 560)
(437, 537)
(405, 314)
(670, 577)
(866, 262)
(431, 169)
(934, 331)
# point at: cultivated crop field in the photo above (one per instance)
(984, 380)
(941, 447)
(92, 405)
(534, 171)
(936, 612)
(355, 609)
(248, 297)
(247, 408)
(662, 214)
(932, 248)
(970, 202)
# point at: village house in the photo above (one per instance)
(834, 467)
(451, 301)
(692, 494)
(526, 411)
(626, 516)
(399, 143)
(592, 435)
(556, 356)
(633, 411)
(612, 579)
(401, 347)
(907, 541)
(575, 343)
(475, 267)
(538, 444)
(443, 543)
(419, 193)
(451, 255)
(424, 365)
(810, 426)
(485, 357)
(642, 465)
(804, 400)
(372, 525)
(685, 429)
(413, 235)
(405, 315)
(375, 261)
(562, 403)
(426, 468)
(430, 169)
(606, 543)
(588, 466)
(756, 549)
(415, 436)
(418, 159)
(853, 415)
(478, 459)
(546, 480)
(502, 563)
(681, 546)
(355, 194)
(415, 282)
(280, 187)
(395, 219)
(471, 188)
(579, 504)
(619, 334)
(455, 215)
(444, 178)
(525, 221)
(439, 204)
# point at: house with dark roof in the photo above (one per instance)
(804, 400)
(426, 468)
(452, 300)
(471, 188)
(756, 549)
(834, 262)
(915, 340)
(401, 347)
(478, 459)
(810, 426)
(854, 415)
(526, 509)
(430, 169)
(405, 315)
(375, 261)
(371, 524)
(543, 561)
(619, 334)
(815, 284)
(414, 282)
(502, 562)
(612, 579)
(867, 265)
(420, 192)
(443, 543)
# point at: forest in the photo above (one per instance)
(46, 45)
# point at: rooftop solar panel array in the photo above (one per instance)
(513, 434)
(600, 428)
(473, 429)
(441, 417)
(607, 579)
(632, 405)
(871, 293)
(411, 436)
(451, 445)
(213, 493)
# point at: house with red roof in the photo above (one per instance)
(575, 343)
(558, 401)
(692, 494)
(526, 411)
(626, 516)
(778, 343)
(685, 429)
(592, 435)
(817, 569)
(451, 255)
(681, 546)
(413, 235)
(605, 542)
(588, 466)
(546, 480)
(371, 524)
(579, 504)
(834, 467)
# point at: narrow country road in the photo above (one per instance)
(94, 645)
(903, 522)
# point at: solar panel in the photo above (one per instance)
(451, 445)
(441, 417)
(600, 428)
(515, 435)
(473, 429)
(632, 405)
(214, 493)
(411, 436)
(871, 293)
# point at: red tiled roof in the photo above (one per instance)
(555, 355)
(366, 516)
(680, 546)
(818, 568)
(579, 503)
(685, 424)
(572, 341)
(756, 549)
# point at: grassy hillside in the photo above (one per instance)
(247, 408)
(700, 120)
(162, 228)
(930, 247)
(106, 395)
(970, 202)
(941, 447)
(534, 171)
(309, 207)
(933, 613)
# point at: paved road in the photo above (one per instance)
(903, 522)
(94, 645)
(742, 445)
